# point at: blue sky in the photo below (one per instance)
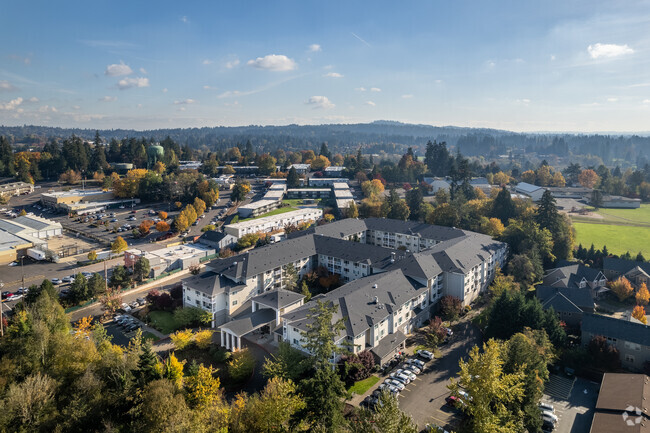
(518, 65)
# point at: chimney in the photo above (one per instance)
(376, 300)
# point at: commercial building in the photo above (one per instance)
(389, 291)
(12, 247)
(618, 202)
(23, 232)
(273, 222)
(66, 200)
(168, 259)
(622, 404)
(533, 191)
(15, 188)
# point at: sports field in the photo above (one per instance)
(620, 229)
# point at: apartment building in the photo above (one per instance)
(273, 222)
(459, 263)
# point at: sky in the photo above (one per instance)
(577, 66)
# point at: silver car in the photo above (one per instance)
(397, 384)
(406, 373)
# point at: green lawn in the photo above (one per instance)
(618, 238)
(163, 321)
(273, 212)
(299, 201)
(149, 336)
(620, 229)
(364, 385)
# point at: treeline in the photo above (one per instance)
(377, 137)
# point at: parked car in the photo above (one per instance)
(13, 264)
(406, 373)
(68, 279)
(390, 388)
(396, 383)
(141, 301)
(417, 362)
(126, 307)
(546, 407)
(15, 297)
(434, 428)
(56, 281)
(413, 368)
(87, 274)
(464, 395)
(425, 354)
(455, 402)
(6, 294)
(401, 377)
(449, 332)
(550, 415)
(134, 304)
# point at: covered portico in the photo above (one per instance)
(233, 331)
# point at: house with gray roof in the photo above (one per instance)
(577, 275)
(636, 272)
(630, 337)
(533, 191)
(568, 302)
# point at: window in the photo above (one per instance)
(234, 302)
(629, 358)
(295, 341)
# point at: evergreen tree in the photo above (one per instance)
(547, 215)
(293, 180)
(6, 157)
(149, 368)
(503, 207)
(639, 257)
(324, 150)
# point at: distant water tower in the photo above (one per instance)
(155, 153)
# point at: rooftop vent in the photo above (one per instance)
(376, 300)
(374, 286)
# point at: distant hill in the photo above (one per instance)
(382, 136)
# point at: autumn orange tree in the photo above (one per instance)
(162, 226)
(162, 215)
(588, 178)
(621, 288)
(639, 313)
(642, 295)
(145, 226)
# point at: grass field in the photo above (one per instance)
(163, 321)
(620, 229)
(364, 385)
(149, 336)
(273, 212)
(298, 201)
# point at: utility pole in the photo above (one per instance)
(105, 278)
(2, 328)
(22, 269)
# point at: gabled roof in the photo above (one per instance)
(211, 283)
(356, 301)
(278, 298)
(571, 275)
(215, 236)
(249, 322)
(461, 255)
(413, 228)
(622, 266)
(527, 187)
(620, 329)
(565, 299)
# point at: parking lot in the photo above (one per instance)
(574, 400)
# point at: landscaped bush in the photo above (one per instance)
(219, 355)
(182, 339)
(203, 339)
(192, 316)
(356, 367)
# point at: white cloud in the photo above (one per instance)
(314, 48)
(646, 101)
(320, 102)
(181, 109)
(108, 99)
(229, 93)
(184, 19)
(47, 109)
(273, 62)
(33, 99)
(608, 50)
(127, 83)
(207, 62)
(143, 71)
(372, 104)
(333, 75)
(6, 86)
(612, 99)
(233, 64)
(491, 64)
(375, 89)
(524, 101)
(116, 70)
(11, 105)
(76, 107)
(407, 96)
(552, 57)
(438, 81)
(206, 87)
(360, 89)
(185, 101)
(164, 90)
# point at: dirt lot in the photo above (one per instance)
(68, 245)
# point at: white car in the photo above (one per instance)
(545, 407)
(425, 354)
(68, 279)
(551, 415)
(13, 264)
(87, 274)
(14, 297)
(413, 368)
(126, 307)
(406, 373)
(401, 377)
(417, 362)
(396, 383)
(56, 281)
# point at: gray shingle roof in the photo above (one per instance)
(571, 299)
(356, 301)
(387, 344)
(211, 283)
(462, 254)
(616, 328)
(623, 266)
(570, 275)
(427, 231)
(250, 322)
(278, 298)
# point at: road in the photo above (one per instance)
(424, 399)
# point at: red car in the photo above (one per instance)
(454, 401)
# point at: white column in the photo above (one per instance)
(221, 332)
(238, 343)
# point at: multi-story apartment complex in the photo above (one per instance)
(400, 285)
(273, 222)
